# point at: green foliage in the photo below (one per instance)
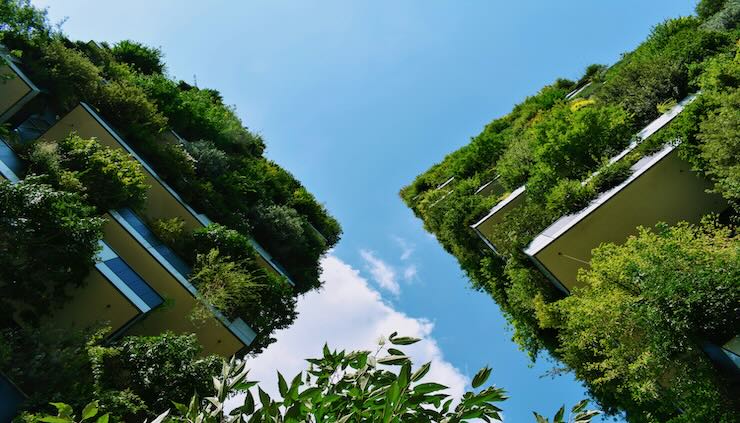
(559, 148)
(707, 8)
(291, 240)
(569, 143)
(222, 283)
(341, 386)
(65, 414)
(579, 414)
(37, 217)
(109, 178)
(720, 146)
(49, 364)
(210, 161)
(635, 331)
(659, 70)
(274, 304)
(150, 371)
(146, 60)
(18, 18)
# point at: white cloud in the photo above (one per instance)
(410, 272)
(382, 272)
(348, 314)
(407, 249)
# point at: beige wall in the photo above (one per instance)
(97, 301)
(11, 90)
(174, 315)
(668, 192)
(160, 204)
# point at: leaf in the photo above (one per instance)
(404, 340)
(394, 351)
(393, 360)
(103, 419)
(264, 397)
(404, 375)
(481, 377)
(580, 406)
(539, 418)
(90, 410)
(55, 419)
(559, 415)
(63, 410)
(282, 385)
(181, 408)
(160, 418)
(309, 393)
(426, 388)
(586, 416)
(421, 372)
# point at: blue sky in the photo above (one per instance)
(356, 99)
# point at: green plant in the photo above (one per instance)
(108, 177)
(579, 414)
(355, 386)
(636, 328)
(37, 217)
(222, 283)
(65, 414)
(137, 376)
(146, 60)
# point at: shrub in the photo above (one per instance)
(636, 327)
(35, 216)
(210, 162)
(146, 60)
(150, 372)
(720, 137)
(291, 240)
(569, 196)
(110, 177)
(707, 8)
(274, 302)
(223, 284)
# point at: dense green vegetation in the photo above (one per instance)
(340, 386)
(132, 378)
(51, 222)
(35, 217)
(558, 145)
(221, 172)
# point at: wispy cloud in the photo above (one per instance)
(410, 272)
(382, 272)
(407, 249)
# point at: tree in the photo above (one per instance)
(707, 8)
(720, 137)
(636, 329)
(146, 60)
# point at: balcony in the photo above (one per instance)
(167, 273)
(10, 165)
(484, 227)
(491, 188)
(662, 188)
(162, 201)
(112, 294)
(16, 90)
